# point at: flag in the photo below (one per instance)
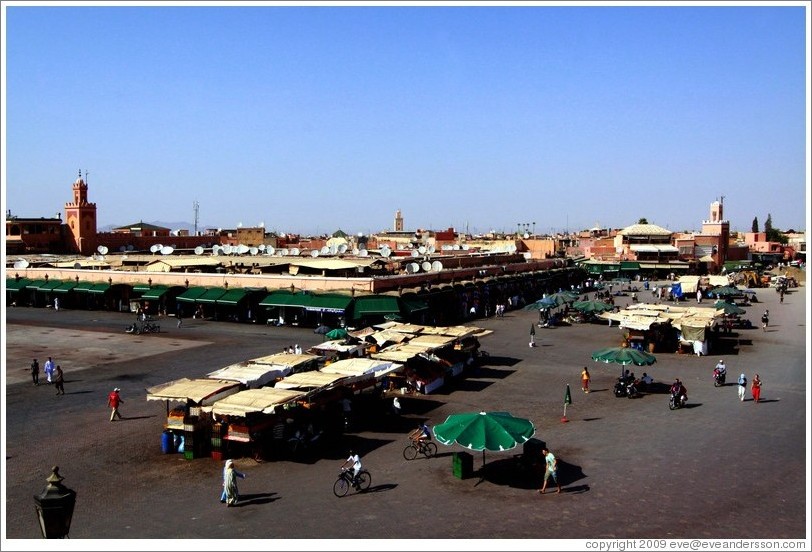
(567, 396)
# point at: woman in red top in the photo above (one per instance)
(756, 388)
(113, 400)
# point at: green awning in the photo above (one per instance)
(329, 303)
(371, 305)
(232, 297)
(211, 295)
(141, 287)
(35, 284)
(49, 285)
(154, 293)
(65, 287)
(411, 306)
(83, 287)
(191, 294)
(99, 288)
(13, 284)
(629, 265)
(286, 299)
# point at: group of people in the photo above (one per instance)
(755, 385)
(293, 349)
(53, 375)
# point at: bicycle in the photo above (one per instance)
(345, 480)
(426, 448)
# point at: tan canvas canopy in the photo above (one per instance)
(263, 400)
(311, 380)
(361, 366)
(203, 392)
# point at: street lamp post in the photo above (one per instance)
(55, 507)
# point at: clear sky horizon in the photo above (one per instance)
(313, 119)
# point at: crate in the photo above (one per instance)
(189, 454)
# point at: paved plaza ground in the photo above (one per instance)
(630, 468)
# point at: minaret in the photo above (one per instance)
(398, 221)
(80, 219)
(718, 226)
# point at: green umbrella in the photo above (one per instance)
(725, 291)
(729, 308)
(592, 307)
(483, 431)
(338, 333)
(624, 355)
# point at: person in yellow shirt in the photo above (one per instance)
(585, 378)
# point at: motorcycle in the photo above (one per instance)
(674, 402)
(718, 378)
(133, 329)
(626, 388)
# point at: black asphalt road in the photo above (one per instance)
(630, 468)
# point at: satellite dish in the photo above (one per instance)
(363, 253)
(102, 249)
(77, 266)
(167, 250)
(228, 249)
(130, 247)
(431, 249)
(415, 253)
(355, 251)
(426, 266)
(284, 252)
(314, 253)
(325, 250)
(386, 252)
(422, 249)
(512, 248)
(158, 246)
(526, 235)
(154, 248)
(333, 250)
(261, 247)
(269, 250)
(253, 250)
(437, 266)
(123, 248)
(342, 248)
(456, 247)
(295, 252)
(415, 267)
(199, 250)
(465, 247)
(243, 249)
(410, 268)
(22, 263)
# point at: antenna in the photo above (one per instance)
(196, 209)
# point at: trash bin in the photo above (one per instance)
(167, 442)
(462, 465)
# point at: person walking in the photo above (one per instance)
(765, 320)
(179, 316)
(742, 386)
(49, 370)
(59, 380)
(35, 372)
(231, 494)
(532, 335)
(551, 470)
(585, 379)
(756, 388)
(113, 401)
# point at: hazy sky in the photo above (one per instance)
(310, 119)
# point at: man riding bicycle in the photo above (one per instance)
(420, 435)
(355, 461)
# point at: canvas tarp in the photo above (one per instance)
(202, 392)
(264, 400)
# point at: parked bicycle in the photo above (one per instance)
(426, 448)
(345, 480)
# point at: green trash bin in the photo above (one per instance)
(462, 465)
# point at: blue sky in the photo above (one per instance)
(310, 119)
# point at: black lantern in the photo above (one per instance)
(55, 507)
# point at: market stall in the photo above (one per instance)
(266, 370)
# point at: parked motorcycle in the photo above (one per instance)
(626, 388)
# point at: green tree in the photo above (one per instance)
(774, 234)
(642, 221)
(755, 224)
(768, 224)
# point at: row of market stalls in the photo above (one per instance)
(665, 327)
(258, 406)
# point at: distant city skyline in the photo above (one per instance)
(314, 119)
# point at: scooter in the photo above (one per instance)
(625, 388)
(718, 378)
